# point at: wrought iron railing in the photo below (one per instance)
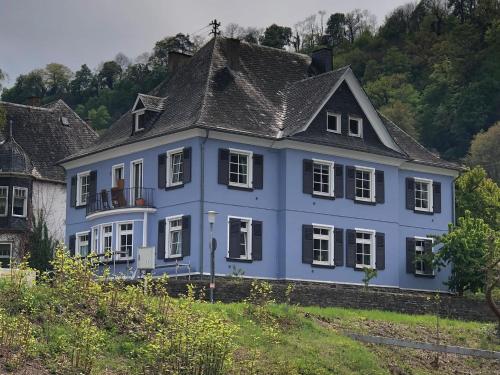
(117, 198)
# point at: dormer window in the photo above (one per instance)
(355, 126)
(138, 121)
(145, 104)
(333, 123)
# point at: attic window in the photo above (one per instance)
(355, 126)
(333, 122)
(64, 121)
(138, 121)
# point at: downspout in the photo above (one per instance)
(453, 198)
(202, 199)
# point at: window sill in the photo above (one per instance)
(425, 275)
(242, 188)
(173, 259)
(173, 187)
(362, 269)
(320, 196)
(423, 212)
(239, 260)
(17, 216)
(316, 265)
(368, 203)
(79, 206)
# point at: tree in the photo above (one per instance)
(492, 271)
(56, 78)
(41, 244)
(122, 60)
(179, 43)
(83, 82)
(335, 28)
(357, 22)
(479, 195)
(2, 78)
(27, 85)
(110, 73)
(233, 30)
(99, 118)
(276, 36)
(485, 151)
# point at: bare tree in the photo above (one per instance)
(357, 22)
(122, 60)
(233, 30)
(322, 16)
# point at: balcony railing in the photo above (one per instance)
(117, 198)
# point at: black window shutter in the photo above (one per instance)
(428, 257)
(338, 247)
(307, 244)
(436, 197)
(339, 181)
(256, 240)
(92, 187)
(90, 242)
(160, 254)
(73, 191)
(307, 176)
(223, 166)
(380, 251)
(410, 255)
(349, 182)
(379, 187)
(351, 248)
(186, 164)
(234, 238)
(410, 193)
(72, 244)
(186, 235)
(162, 171)
(258, 171)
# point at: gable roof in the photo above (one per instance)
(149, 103)
(247, 89)
(40, 139)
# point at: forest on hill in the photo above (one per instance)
(432, 66)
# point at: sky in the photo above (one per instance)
(34, 33)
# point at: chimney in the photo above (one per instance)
(34, 101)
(176, 60)
(322, 60)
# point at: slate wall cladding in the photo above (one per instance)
(348, 296)
(10, 222)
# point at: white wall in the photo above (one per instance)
(51, 198)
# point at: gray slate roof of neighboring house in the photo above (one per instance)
(243, 88)
(40, 139)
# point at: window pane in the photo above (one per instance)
(354, 126)
(332, 122)
(3, 200)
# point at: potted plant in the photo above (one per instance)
(139, 201)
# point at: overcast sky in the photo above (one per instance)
(36, 32)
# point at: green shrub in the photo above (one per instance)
(16, 338)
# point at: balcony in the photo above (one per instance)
(120, 198)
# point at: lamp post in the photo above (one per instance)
(213, 244)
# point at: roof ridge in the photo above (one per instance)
(345, 67)
(26, 106)
(207, 84)
(267, 47)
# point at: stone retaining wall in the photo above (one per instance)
(336, 295)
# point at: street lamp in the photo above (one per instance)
(212, 245)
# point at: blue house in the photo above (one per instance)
(309, 181)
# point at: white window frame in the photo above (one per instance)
(360, 126)
(372, 247)
(169, 167)
(430, 203)
(418, 238)
(338, 117)
(79, 177)
(331, 177)
(249, 155)
(10, 251)
(372, 183)
(114, 168)
(25, 202)
(137, 114)
(95, 236)
(331, 234)
(2, 214)
(78, 243)
(103, 236)
(132, 179)
(249, 222)
(119, 234)
(168, 242)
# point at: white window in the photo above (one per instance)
(5, 254)
(4, 200)
(333, 122)
(240, 168)
(323, 177)
(107, 238)
(20, 201)
(423, 194)
(136, 179)
(125, 240)
(245, 242)
(365, 248)
(95, 248)
(82, 244)
(174, 237)
(322, 244)
(365, 184)
(175, 167)
(355, 126)
(82, 188)
(419, 253)
(117, 174)
(137, 121)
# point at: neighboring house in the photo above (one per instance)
(309, 181)
(32, 140)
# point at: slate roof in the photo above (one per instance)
(243, 88)
(41, 139)
(152, 103)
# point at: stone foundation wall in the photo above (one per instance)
(348, 296)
